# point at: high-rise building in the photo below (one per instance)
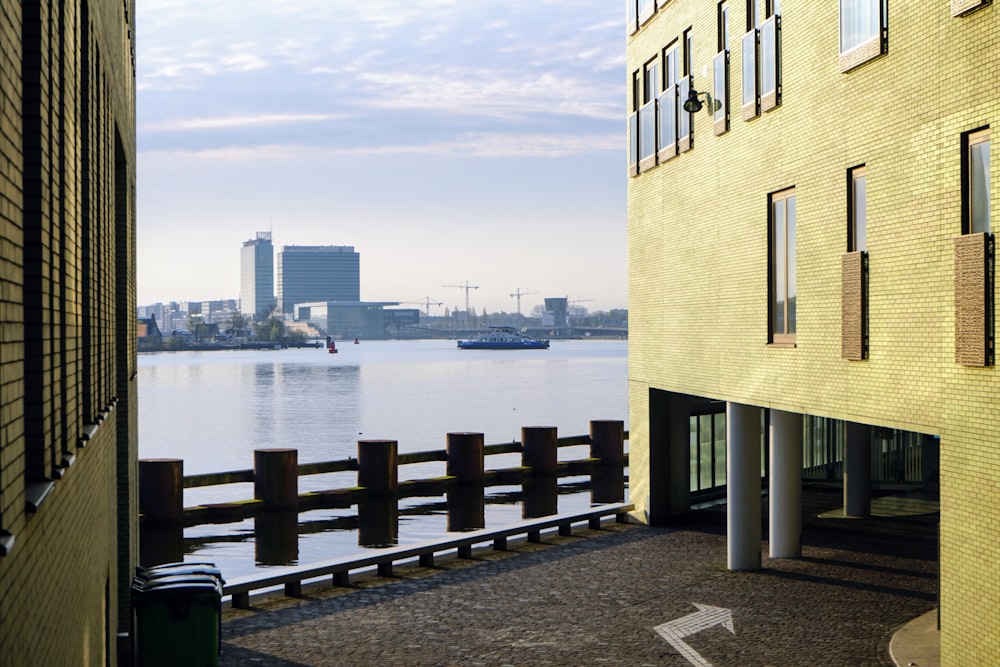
(257, 277)
(317, 273)
(811, 273)
(68, 400)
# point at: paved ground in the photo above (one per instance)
(595, 598)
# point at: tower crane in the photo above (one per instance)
(427, 302)
(518, 293)
(466, 287)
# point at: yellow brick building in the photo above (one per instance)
(68, 503)
(810, 252)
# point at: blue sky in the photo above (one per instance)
(447, 140)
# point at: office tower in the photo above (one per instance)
(257, 277)
(317, 273)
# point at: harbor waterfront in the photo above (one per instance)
(213, 409)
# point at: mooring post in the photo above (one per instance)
(378, 466)
(161, 490)
(539, 449)
(607, 441)
(276, 477)
(465, 457)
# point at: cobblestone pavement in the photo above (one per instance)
(594, 599)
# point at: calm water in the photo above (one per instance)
(212, 409)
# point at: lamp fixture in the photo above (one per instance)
(693, 105)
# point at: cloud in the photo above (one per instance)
(488, 145)
(224, 122)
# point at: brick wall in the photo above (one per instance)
(67, 299)
(698, 256)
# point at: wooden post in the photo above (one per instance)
(378, 466)
(276, 477)
(607, 441)
(161, 490)
(540, 451)
(465, 457)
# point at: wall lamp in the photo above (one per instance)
(693, 105)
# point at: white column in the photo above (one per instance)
(785, 490)
(857, 470)
(743, 515)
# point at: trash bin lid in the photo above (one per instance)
(193, 583)
(173, 569)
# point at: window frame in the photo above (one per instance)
(647, 114)
(783, 200)
(685, 120)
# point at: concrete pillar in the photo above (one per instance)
(785, 490)
(465, 457)
(607, 441)
(743, 513)
(161, 490)
(276, 477)
(540, 449)
(858, 470)
(378, 467)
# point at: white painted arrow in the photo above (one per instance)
(706, 617)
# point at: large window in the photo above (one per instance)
(978, 170)
(782, 267)
(863, 31)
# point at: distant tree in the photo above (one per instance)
(195, 324)
(270, 330)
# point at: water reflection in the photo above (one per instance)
(276, 537)
(466, 508)
(378, 524)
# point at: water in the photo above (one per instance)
(212, 409)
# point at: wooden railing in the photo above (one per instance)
(276, 472)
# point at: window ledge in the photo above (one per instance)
(861, 54)
(6, 542)
(89, 431)
(35, 494)
(787, 345)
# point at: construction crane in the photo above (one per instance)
(518, 294)
(466, 287)
(427, 303)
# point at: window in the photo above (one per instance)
(647, 115)
(668, 105)
(646, 9)
(854, 270)
(684, 124)
(863, 31)
(978, 177)
(857, 235)
(782, 286)
(720, 73)
(633, 126)
(761, 61)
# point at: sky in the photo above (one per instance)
(450, 142)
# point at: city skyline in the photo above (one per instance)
(493, 153)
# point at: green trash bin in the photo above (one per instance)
(178, 618)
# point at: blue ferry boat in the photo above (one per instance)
(503, 338)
